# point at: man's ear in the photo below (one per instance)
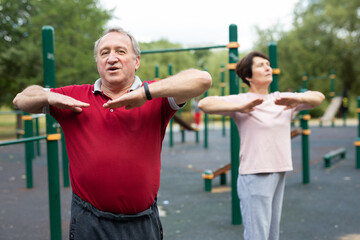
(137, 63)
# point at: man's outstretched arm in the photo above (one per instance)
(182, 87)
(34, 98)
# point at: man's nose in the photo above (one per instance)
(112, 58)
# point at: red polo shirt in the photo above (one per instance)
(114, 154)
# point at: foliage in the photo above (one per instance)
(77, 25)
(178, 60)
(325, 36)
(209, 60)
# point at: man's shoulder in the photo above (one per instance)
(73, 89)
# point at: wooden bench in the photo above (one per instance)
(335, 154)
(209, 175)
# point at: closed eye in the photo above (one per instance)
(121, 52)
(102, 53)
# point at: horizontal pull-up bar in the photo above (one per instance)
(22, 140)
(181, 49)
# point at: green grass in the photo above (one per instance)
(8, 125)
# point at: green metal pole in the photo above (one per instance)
(171, 142)
(222, 84)
(157, 72)
(19, 124)
(65, 161)
(206, 123)
(304, 80)
(332, 90)
(180, 49)
(22, 140)
(182, 130)
(51, 130)
(197, 140)
(37, 133)
(32, 151)
(357, 143)
(332, 83)
(273, 63)
(234, 135)
(305, 145)
(358, 112)
(29, 150)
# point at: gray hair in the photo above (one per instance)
(135, 44)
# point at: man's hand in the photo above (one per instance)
(129, 100)
(66, 102)
(288, 102)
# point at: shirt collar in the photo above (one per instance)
(136, 84)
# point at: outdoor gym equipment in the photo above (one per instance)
(234, 89)
(209, 175)
(336, 101)
(357, 142)
(335, 154)
(52, 137)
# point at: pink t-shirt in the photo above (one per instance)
(265, 143)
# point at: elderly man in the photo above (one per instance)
(114, 131)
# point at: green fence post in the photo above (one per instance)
(182, 129)
(29, 149)
(171, 143)
(332, 83)
(52, 143)
(37, 133)
(304, 80)
(332, 90)
(157, 72)
(197, 140)
(357, 142)
(234, 135)
(32, 143)
(206, 123)
(222, 85)
(273, 63)
(305, 117)
(65, 161)
(19, 125)
(208, 177)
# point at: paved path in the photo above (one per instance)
(326, 209)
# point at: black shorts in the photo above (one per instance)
(88, 223)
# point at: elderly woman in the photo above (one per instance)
(264, 121)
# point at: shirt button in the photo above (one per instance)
(111, 110)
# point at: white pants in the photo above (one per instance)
(261, 198)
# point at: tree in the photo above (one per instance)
(325, 36)
(178, 60)
(77, 24)
(15, 20)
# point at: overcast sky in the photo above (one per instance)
(199, 22)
